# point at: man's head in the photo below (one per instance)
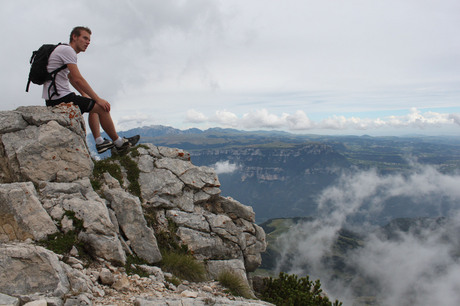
(80, 38)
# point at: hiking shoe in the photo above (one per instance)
(102, 147)
(133, 140)
(128, 143)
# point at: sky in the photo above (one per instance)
(326, 67)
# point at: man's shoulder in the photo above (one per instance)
(64, 48)
(66, 53)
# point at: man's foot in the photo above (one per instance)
(128, 143)
(102, 147)
(133, 140)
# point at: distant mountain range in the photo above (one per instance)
(280, 174)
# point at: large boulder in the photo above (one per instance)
(132, 222)
(44, 144)
(21, 214)
(27, 269)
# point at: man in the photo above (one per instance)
(89, 101)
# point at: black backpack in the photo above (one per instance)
(38, 72)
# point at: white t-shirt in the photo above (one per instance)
(63, 54)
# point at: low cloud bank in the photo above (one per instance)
(299, 121)
(416, 268)
(222, 167)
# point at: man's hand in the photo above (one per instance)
(104, 104)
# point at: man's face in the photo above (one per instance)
(82, 41)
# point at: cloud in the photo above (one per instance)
(418, 268)
(225, 118)
(133, 121)
(413, 270)
(302, 59)
(299, 120)
(222, 167)
(193, 116)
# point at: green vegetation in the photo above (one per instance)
(105, 165)
(131, 266)
(167, 239)
(291, 290)
(235, 284)
(112, 165)
(184, 266)
(62, 243)
(132, 174)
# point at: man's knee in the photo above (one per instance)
(99, 110)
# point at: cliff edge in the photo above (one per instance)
(116, 209)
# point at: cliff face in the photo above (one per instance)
(46, 176)
(278, 182)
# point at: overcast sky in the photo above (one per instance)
(331, 67)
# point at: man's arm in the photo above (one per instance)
(80, 84)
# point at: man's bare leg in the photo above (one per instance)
(94, 125)
(99, 117)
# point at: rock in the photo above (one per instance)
(189, 294)
(6, 300)
(45, 273)
(37, 303)
(159, 181)
(173, 153)
(11, 121)
(155, 271)
(223, 226)
(98, 232)
(47, 151)
(190, 220)
(207, 245)
(232, 208)
(121, 284)
(21, 214)
(178, 167)
(80, 300)
(131, 219)
(200, 177)
(106, 277)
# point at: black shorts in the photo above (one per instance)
(85, 104)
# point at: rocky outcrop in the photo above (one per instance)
(38, 144)
(46, 192)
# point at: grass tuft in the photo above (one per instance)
(235, 284)
(184, 266)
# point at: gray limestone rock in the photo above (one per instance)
(208, 245)
(6, 300)
(21, 214)
(98, 231)
(45, 273)
(131, 219)
(190, 220)
(49, 152)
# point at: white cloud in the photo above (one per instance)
(132, 121)
(262, 119)
(222, 167)
(417, 268)
(195, 117)
(299, 120)
(224, 118)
